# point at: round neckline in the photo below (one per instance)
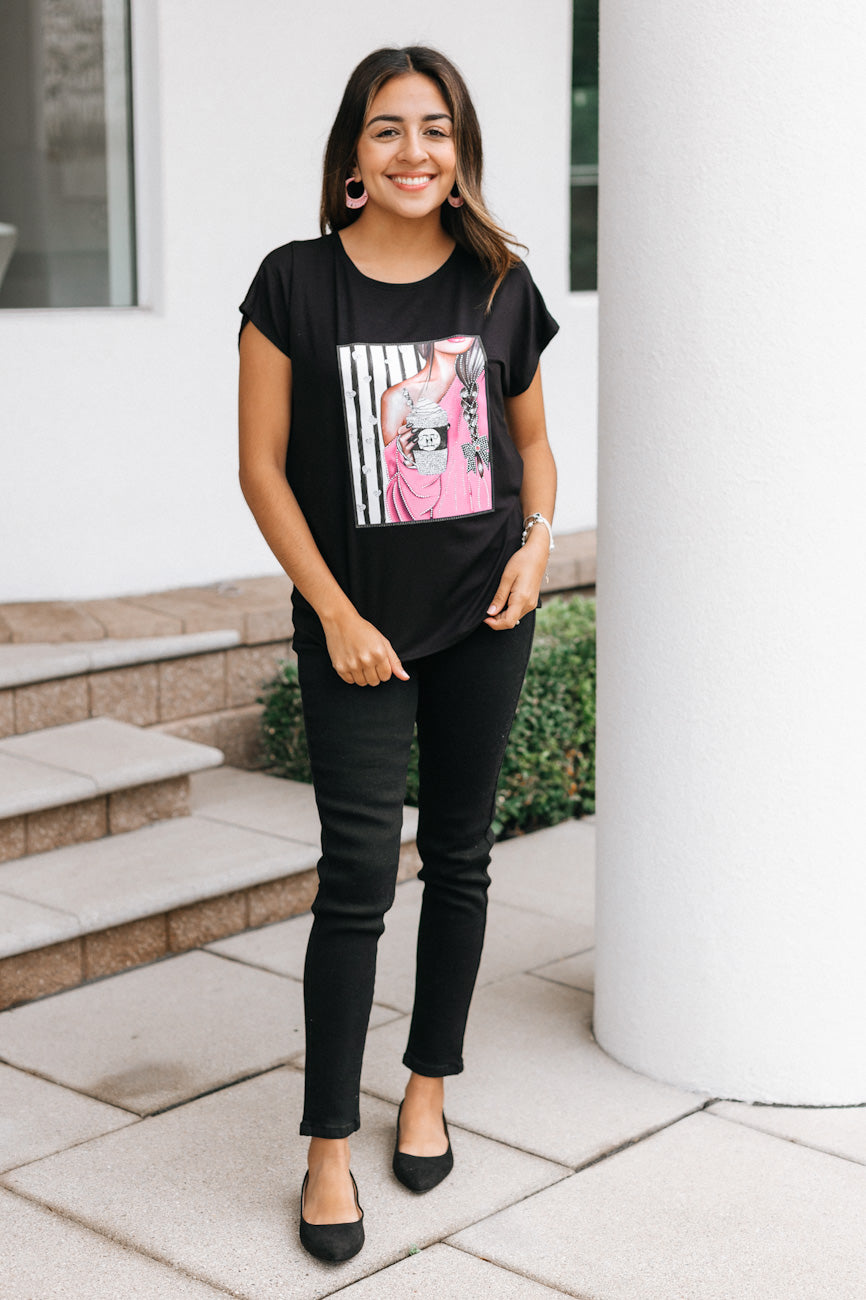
(395, 284)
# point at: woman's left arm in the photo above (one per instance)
(523, 575)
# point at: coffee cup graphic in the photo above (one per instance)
(429, 424)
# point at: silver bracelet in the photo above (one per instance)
(529, 523)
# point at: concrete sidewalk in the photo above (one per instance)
(149, 1147)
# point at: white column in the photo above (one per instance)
(731, 924)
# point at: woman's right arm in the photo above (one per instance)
(359, 652)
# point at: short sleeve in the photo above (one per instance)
(526, 329)
(268, 298)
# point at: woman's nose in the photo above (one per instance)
(413, 148)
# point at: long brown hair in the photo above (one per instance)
(471, 225)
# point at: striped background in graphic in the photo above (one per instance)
(366, 370)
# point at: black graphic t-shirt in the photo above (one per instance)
(399, 454)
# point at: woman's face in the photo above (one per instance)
(406, 154)
(455, 345)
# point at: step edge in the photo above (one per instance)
(78, 926)
(75, 658)
(128, 779)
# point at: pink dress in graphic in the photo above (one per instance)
(462, 488)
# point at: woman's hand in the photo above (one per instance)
(407, 440)
(520, 583)
(360, 654)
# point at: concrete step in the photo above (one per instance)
(76, 783)
(245, 856)
(21, 665)
(148, 681)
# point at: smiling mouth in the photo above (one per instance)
(411, 182)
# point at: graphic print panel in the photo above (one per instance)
(417, 428)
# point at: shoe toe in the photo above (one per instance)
(422, 1173)
(332, 1242)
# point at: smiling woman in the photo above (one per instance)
(395, 456)
(432, 131)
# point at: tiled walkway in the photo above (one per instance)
(149, 1136)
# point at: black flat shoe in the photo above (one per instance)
(421, 1173)
(332, 1242)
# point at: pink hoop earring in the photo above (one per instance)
(455, 198)
(356, 194)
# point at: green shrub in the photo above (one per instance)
(549, 770)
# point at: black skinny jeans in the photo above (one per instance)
(464, 699)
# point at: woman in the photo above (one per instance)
(406, 578)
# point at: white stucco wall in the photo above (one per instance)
(119, 462)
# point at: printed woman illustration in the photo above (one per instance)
(437, 456)
(428, 624)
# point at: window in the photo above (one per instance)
(584, 145)
(66, 185)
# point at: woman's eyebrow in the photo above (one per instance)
(428, 117)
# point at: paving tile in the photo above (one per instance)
(214, 1188)
(577, 971)
(261, 625)
(269, 589)
(706, 1210)
(572, 1102)
(50, 620)
(199, 923)
(51, 704)
(573, 563)
(43, 662)
(277, 899)
(249, 668)
(165, 1032)
(266, 803)
(260, 608)
(126, 694)
(26, 785)
(839, 1130)
(446, 1274)
(160, 867)
(112, 652)
(193, 685)
(199, 610)
(13, 837)
(123, 619)
(122, 946)
(143, 804)
(7, 712)
(258, 802)
(556, 877)
(112, 755)
(29, 975)
(202, 729)
(410, 861)
(38, 1118)
(35, 923)
(21, 664)
(512, 943)
(72, 823)
(237, 732)
(46, 1256)
(239, 736)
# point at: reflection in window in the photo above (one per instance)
(584, 145)
(66, 196)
